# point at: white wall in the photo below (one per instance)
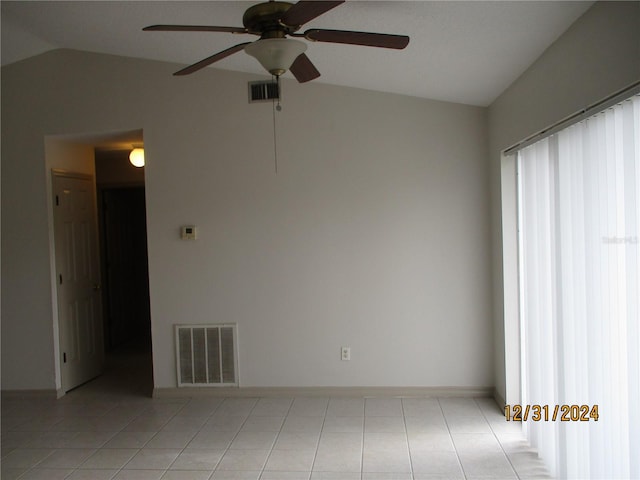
(374, 233)
(597, 56)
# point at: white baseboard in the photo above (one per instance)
(287, 392)
(323, 392)
(499, 400)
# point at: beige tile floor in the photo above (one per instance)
(111, 429)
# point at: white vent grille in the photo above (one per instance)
(206, 355)
(263, 91)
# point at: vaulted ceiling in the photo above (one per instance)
(460, 51)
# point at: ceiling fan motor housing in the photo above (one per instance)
(264, 19)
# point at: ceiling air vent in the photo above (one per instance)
(263, 91)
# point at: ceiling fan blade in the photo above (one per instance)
(358, 38)
(193, 28)
(306, 10)
(303, 69)
(213, 58)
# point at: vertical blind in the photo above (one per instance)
(579, 211)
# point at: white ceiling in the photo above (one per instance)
(461, 51)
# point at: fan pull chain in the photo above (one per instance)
(278, 106)
(275, 138)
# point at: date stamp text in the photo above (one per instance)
(553, 413)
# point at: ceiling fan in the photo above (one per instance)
(273, 22)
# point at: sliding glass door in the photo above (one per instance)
(579, 288)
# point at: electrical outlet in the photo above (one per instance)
(346, 353)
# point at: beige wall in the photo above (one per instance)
(374, 233)
(597, 56)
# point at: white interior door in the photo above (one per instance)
(78, 278)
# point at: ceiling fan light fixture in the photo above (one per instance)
(276, 55)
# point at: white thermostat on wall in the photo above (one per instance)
(188, 232)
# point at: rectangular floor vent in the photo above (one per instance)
(206, 355)
(263, 91)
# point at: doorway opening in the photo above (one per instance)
(124, 260)
(125, 273)
(121, 283)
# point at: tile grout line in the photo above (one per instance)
(406, 435)
(143, 445)
(498, 440)
(277, 436)
(315, 455)
(364, 428)
(464, 473)
(194, 436)
(235, 436)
